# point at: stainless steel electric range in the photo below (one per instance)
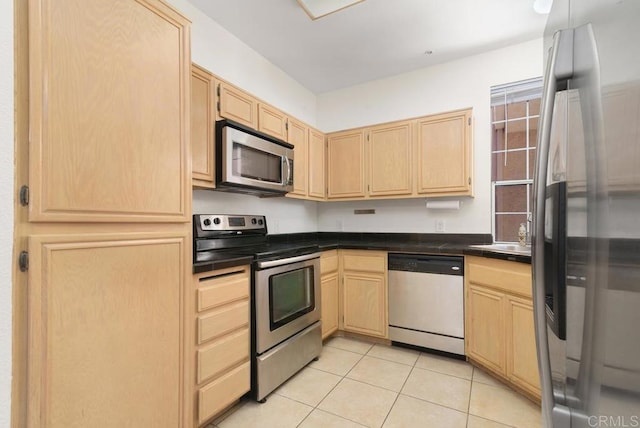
(285, 293)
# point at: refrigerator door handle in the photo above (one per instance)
(592, 353)
(559, 69)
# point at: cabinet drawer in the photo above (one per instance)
(512, 277)
(223, 321)
(223, 391)
(329, 262)
(224, 353)
(366, 261)
(219, 289)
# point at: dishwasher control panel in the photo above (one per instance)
(445, 265)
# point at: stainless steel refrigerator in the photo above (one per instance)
(586, 230)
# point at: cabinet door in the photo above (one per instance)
(298, 136)
(329, 262)
(272, 121)
(390, 159)
(522, 363)
(329, 309)
(106, 330)
(317, 165)
(236, 105)
(345, 166)
(109, 111)
(202, 127)
(485, 328)
(445, 154)
(365, 303)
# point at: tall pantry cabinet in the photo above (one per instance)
(102, 143)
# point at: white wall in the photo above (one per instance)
(220, 52)
(454, 85)
(6, 205)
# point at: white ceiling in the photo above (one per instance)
(374, 38)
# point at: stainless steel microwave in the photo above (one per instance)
(251, 162)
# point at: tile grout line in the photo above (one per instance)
(399, 392)
(413, 367)
(473, 369)
(334, 387)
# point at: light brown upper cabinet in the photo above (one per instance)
(390, 149)
(299, 137)
(317, 165)
(202, 127)
(236, 105)
(427, 156)
(108, 111)
(272, 121)
(444, 153)
(345, 164)
(309, 161)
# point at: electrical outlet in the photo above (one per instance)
(440, 225)
(275, 226)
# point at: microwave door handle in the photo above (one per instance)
(559, 68)
(289, 172)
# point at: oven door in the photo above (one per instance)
(287, 298)
(255, 162)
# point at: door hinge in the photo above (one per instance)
(218, 90)
(469, 121)
(367, 137)
(23, 261)
(469, 181)
(24, 196)
(218, 106)
(286, 125)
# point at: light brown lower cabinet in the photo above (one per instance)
(364, 292)
(486, 327)
(222, 341)
(522, 364)
(499, 327)
(330, 292)
(105, 331)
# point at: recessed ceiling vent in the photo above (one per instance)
(319, 8)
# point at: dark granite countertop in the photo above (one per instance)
(223, 261)
(419, 243)
(423, 244)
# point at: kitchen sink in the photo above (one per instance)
(505, 248)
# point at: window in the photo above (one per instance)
(515, 109)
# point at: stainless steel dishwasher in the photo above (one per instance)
(426, 301)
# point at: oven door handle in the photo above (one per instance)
(288, 260)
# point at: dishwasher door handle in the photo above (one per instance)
(455, 268)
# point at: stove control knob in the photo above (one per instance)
(254, 221)
(260, 222)
(216, 220)
(206, 222)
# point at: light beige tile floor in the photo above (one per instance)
(359, 384)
